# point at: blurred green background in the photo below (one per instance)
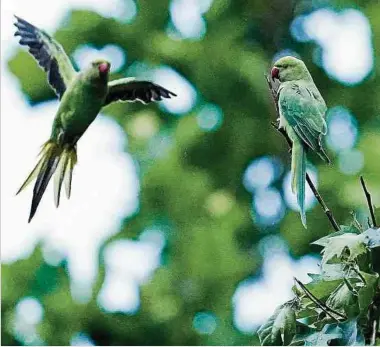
(214, 175)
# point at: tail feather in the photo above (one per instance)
(32, 175)
(72, 160)
(47, 156)
(58, 179)
(53, 157)
(43, 179)
(299, 177)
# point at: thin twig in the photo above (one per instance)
(374, 320)
(318, 196)
(374, 330)
(369, 201)
(328, 310)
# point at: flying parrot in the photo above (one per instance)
(82, 95)
(302, 115)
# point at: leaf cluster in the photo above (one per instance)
(336, 306)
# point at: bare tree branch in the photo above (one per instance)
(317, 195)
(369, 202)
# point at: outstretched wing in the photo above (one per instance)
(128, 89)
(304, 111)
(49, 54)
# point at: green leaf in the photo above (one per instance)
(329, 333)
(337, 271)
(280, 327)
(371, 237)
(343, 230)
(307, 313)
(321, 288)
(302, 332)
(343, 300)
(331, 277)
(352, 335)
(353, 228)
(347, 246)
(366, 293)
(343, 334)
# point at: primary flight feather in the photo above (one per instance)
(82, 95)
(302, 115)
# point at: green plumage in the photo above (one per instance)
(82, 94)
(302, 111)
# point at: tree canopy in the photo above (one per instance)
(193, 169)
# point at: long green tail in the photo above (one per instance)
(53, 157)
(299, 177)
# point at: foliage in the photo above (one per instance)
(209, 250)
(334, 308)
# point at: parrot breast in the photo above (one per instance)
(79, 107)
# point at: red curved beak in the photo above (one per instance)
(104, 68)
(275, 73)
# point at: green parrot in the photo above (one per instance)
(82, 95)
(302, 115)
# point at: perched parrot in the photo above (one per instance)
(302, 115)
(82, 95)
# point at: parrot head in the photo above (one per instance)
(98, 70)
(289, 69)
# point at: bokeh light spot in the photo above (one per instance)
(81, 339)
(255, 300)
(28, 313)
(85, 54)
(272, 244)
(52, 255)
(210, 117)
(297, 29)
(342, 129)
(119, 294)
(261, 173)
(173, 81)
(166, 308)
(345, 38)
(204, 323)
(128, 12)
(154, 235)
(139, 69)
(29, 310)
(186, 16)
(351, 161)
(128, 265)
(160, 145)
(144, 125)
(219, 203)
(268, 207)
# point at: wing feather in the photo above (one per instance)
(130, 90)
(305, 114)
(49, 54)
